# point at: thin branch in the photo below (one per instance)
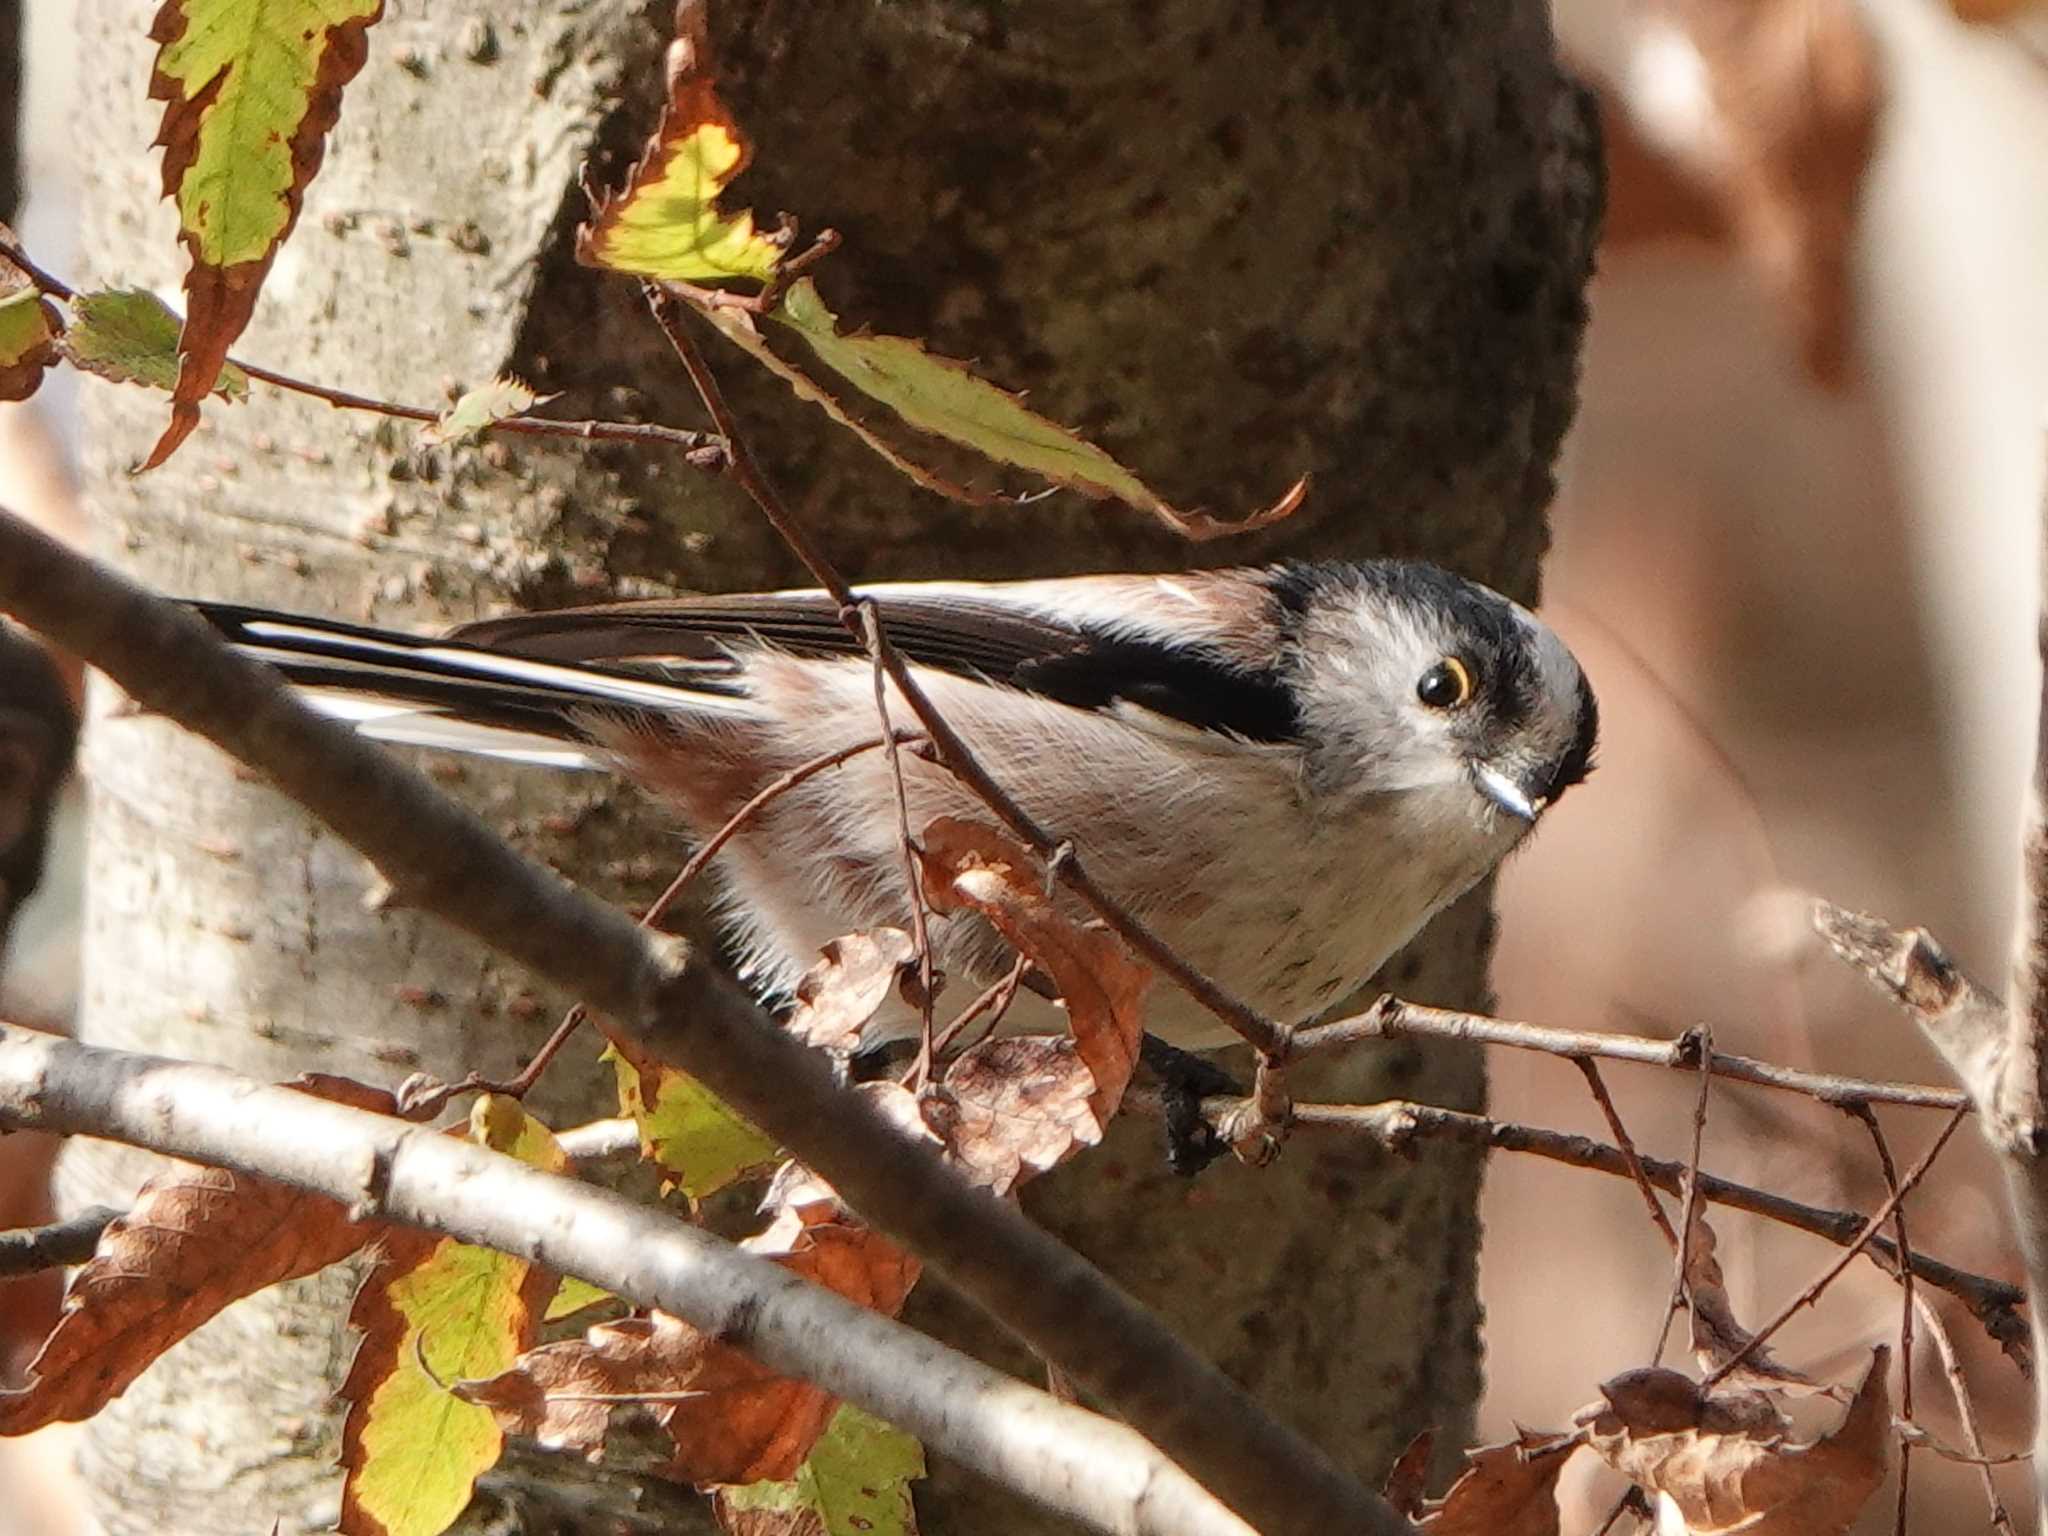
(440, 858)
(1966, 1411)
(1073, 1461)
(31, 1250)
(1398, 1124)
(700, 448)
(906, 846)
(1267, 1035)
(1868, 1117)
(1627, 1145)
(1826, 1277)
(1392, 1019)
(1689, 1203)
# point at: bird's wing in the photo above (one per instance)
(1168, 645)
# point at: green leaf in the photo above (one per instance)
(572, 1296)
(666, 223)
(28, 342)
(411, 1449)
(131, 337)
(479, 408)
(856, 1481)
(940, 396)
(251, 89)
(687, 1129)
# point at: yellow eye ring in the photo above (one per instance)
(1447, 685)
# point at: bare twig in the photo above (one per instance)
(1392, 1019)
(1626, 1143)
(1826, 1277)
(1868, 1118)
(1689, 1203)
(1084, 1466)
(31, 1250)
(1966, 1410)
(1398, 1124)
(440, 859)
(1267, 1035)
(913, 882)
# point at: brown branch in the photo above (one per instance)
(1826, 1277)
(1966, 1411)
(701, 448)
(1908, 1297)
(1266, 1035)
(1689, 1203)
(906, 845)
(1392, 1019)
(439, 858)
(1627, 1146)
(1398, 1124)
(31, 1250)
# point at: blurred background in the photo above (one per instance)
(1796, 545)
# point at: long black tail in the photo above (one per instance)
(445, 693)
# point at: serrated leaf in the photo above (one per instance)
(942, 397)
(480, 408)
(687, 1129)
(250, 89)
(130, 336)
(29, 328)
(411, 1449)
(666, 223)
(855, 1482)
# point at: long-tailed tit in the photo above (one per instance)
(1285, 771)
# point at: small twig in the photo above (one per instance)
(1821, 1282)
(1622, 1140)
(1864, 1114)
(1630, 1502)
(1396, 1124)
(1266, 1035)
(1392, 1019)
(55, 1245)
(1966, 1410)
(994, 998)
(1688, 1206)
(913, 882)
(701, 448)
(599, 1140)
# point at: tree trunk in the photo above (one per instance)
(1232, 242)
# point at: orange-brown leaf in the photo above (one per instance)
(1505, 1490)
(1717, 1336)
(195, 1240)
(1727, 1460)
(969, 864)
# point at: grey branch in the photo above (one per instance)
(29, 1250)
(1073, 1461)
(439, 858)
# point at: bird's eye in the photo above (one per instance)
(1447, 685)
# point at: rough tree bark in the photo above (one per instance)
(1233, 241)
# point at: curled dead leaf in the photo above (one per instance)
(836, 997)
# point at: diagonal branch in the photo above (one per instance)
(441, 859)
(1071, 1460)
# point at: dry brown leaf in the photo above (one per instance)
(968, 864)
(1505, 1490)
(732, 1419)
(1408, 1479)
(1726, 1458)
(1716, 1335)
(836, 997)
(194, 1241)
(1013, 1108)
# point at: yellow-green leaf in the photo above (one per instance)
(687, 1129)
(250, 89)
(28, 342)
(940, 396)
(855, 1482)
(481, 407)
(666, 222)
(131, 336)
(411, 1449)
(572, 1296)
